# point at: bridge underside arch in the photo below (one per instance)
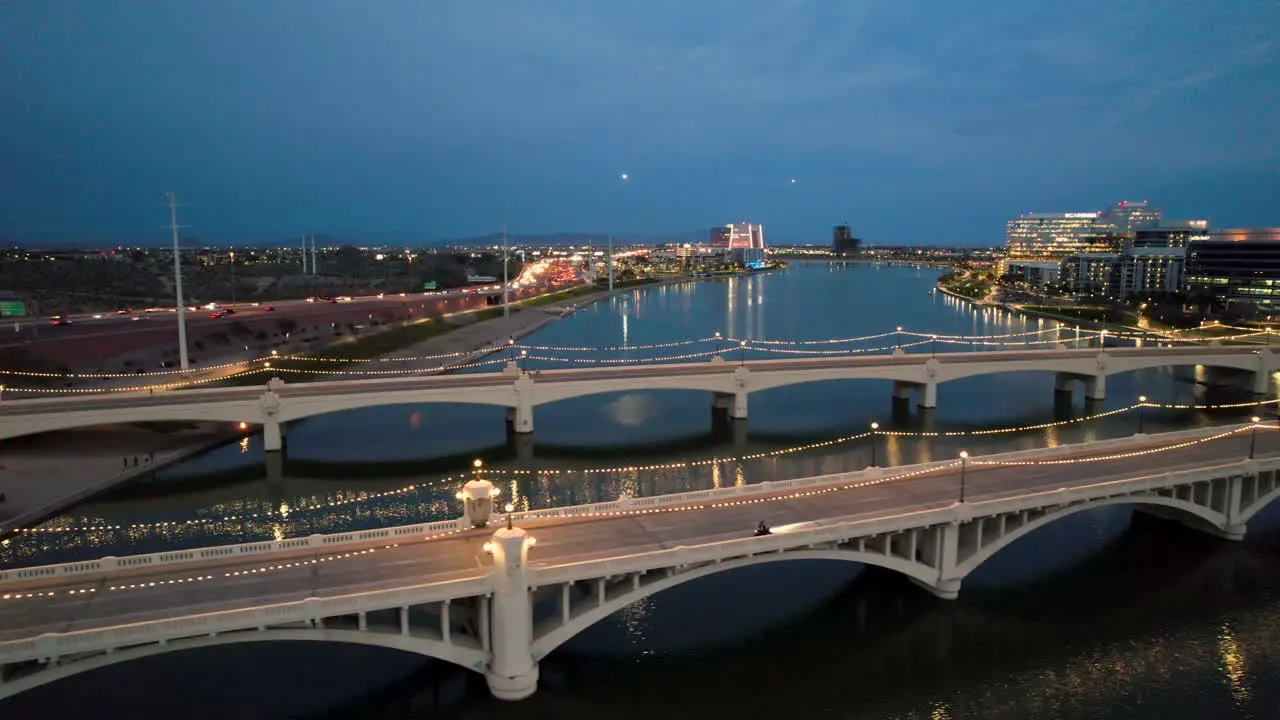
(1198, 516)
(301, 409)
(471, 658)
(625, 593)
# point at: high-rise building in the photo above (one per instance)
(735, 236)
(1237, 266)
(1169, 235)
(1151, 271)
(1127, 216)
(843, 242)
(1046, 236)
(1091, 274)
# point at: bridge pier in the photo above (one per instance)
(272, 435)
(735, 404)
(520, 417)
(940, 549)
(1261, 383)
(1095, 386)
(512, 673)
(926, 392)
(522, 445)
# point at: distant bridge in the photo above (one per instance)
(520, 391)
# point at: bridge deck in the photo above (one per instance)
(122, 400)
(67, 606)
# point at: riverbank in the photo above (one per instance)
(42, 476)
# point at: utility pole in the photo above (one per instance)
(611, 263)
(506, 284)
(313, 253)
(304, 254)
(183, 361)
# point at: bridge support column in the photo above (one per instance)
(522, 417)
(1095, 387)
(1064, 382)
(927, 395)
(272, 435)
(901, 390)
(734, 404)
(1261, 382)
(478, 498)
(941, 550)
(512, 673)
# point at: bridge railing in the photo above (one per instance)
(695, 497)
(53, 645)
(841, 531)
(226, 552)
(335, 542)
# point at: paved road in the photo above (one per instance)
(262, 580)
(355, 387)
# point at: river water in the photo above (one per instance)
(1102, 614)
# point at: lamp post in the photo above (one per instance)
(717, 343)
(742, 353)
(897, 339)
(476, 465)
(1142, 406)
(934, 352)
(233, 276)
(510, 508)
(875, 431)
(964, 465)
(524, 361)
(1253, 435)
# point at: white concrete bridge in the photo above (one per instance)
(497, 603)
(520, 392)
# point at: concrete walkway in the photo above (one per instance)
(42, 475)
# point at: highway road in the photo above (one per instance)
(406, 383)
(198, 588)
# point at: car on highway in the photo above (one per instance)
(59, 321)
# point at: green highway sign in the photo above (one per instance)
(429, 285)
(12, 308)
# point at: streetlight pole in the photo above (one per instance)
(524, 361)
(510, 508)
(875, 432)
(717, 343)
(506, 284)
(934, 352)
(897, 339)
(183, 361)
(1253, 435)
(964, 465)
(742, 353)
(233, 276)
(1142, 406)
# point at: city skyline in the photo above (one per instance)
(459, 119)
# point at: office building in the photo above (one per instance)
(1036, 274)
(1149, 272)
(1050, 236)
(1127, 216)
(1091, 274)
(1170, 235)
(736, 236)
(843, 242)
(1236, 266)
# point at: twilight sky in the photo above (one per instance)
(917, 122)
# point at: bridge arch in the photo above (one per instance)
(470, 658)
(554, 637)
(1196, 514)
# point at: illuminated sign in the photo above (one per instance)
(1080, 215)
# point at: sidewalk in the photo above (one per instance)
(49, 473)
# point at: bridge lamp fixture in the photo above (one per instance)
(934, 352)
(275, 353)
(244, 426)
(1253, 435)
(510, 508)
(524, 360)
(717, 343)
(742, 353)
(897, 339)
(1142, 407)
(964, 465)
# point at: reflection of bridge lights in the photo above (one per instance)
(1232, 665)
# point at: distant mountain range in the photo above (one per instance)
(391, 239)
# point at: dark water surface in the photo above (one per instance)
(1104, 614)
